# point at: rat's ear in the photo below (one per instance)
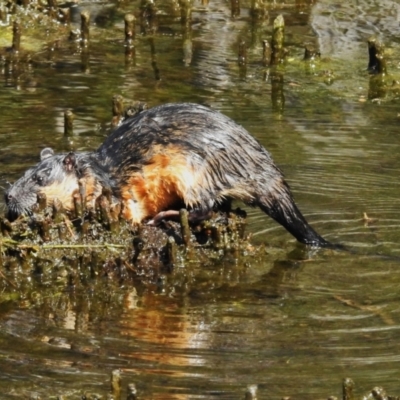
(69, 162)
(46, 153)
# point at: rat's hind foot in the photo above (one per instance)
(195, 216)
(170, 214)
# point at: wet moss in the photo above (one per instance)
(99, 242)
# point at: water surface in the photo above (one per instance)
(294, 321)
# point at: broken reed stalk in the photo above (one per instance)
(235, 8)
(132, 392)
(117, 106)
(16, 38)
(62, 231)
(77, 204)
(41, 201)
(64, 15)
(186, 12)
(68, 123)
(82, 193)
(258, 9)
(251, 392)
(278, 37)
(185, 228)
(171, 251)
(130, 28)
(348, 386)
(44, 230)
(266, 56)
(103, 211)
(242, 54)
(148, 17)
(277, 92)
(379, 393)
(85, 20)
(58, 211)
(116, 384)
(3, 13)
(217, 237)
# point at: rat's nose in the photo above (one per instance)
(8, 196)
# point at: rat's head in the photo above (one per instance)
(55, 176)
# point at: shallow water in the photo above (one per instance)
(294, 321)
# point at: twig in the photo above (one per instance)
(13, 243)
(7, 280)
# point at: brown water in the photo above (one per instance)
(294, 321)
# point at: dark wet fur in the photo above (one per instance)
(232, 162)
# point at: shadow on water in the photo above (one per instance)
(292, 320)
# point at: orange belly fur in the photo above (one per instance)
(162, 183)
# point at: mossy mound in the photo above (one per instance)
(99, 242)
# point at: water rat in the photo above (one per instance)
(166, 155)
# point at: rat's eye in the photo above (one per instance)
(36, 178)
(41, 176)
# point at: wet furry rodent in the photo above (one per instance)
(165, 157)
